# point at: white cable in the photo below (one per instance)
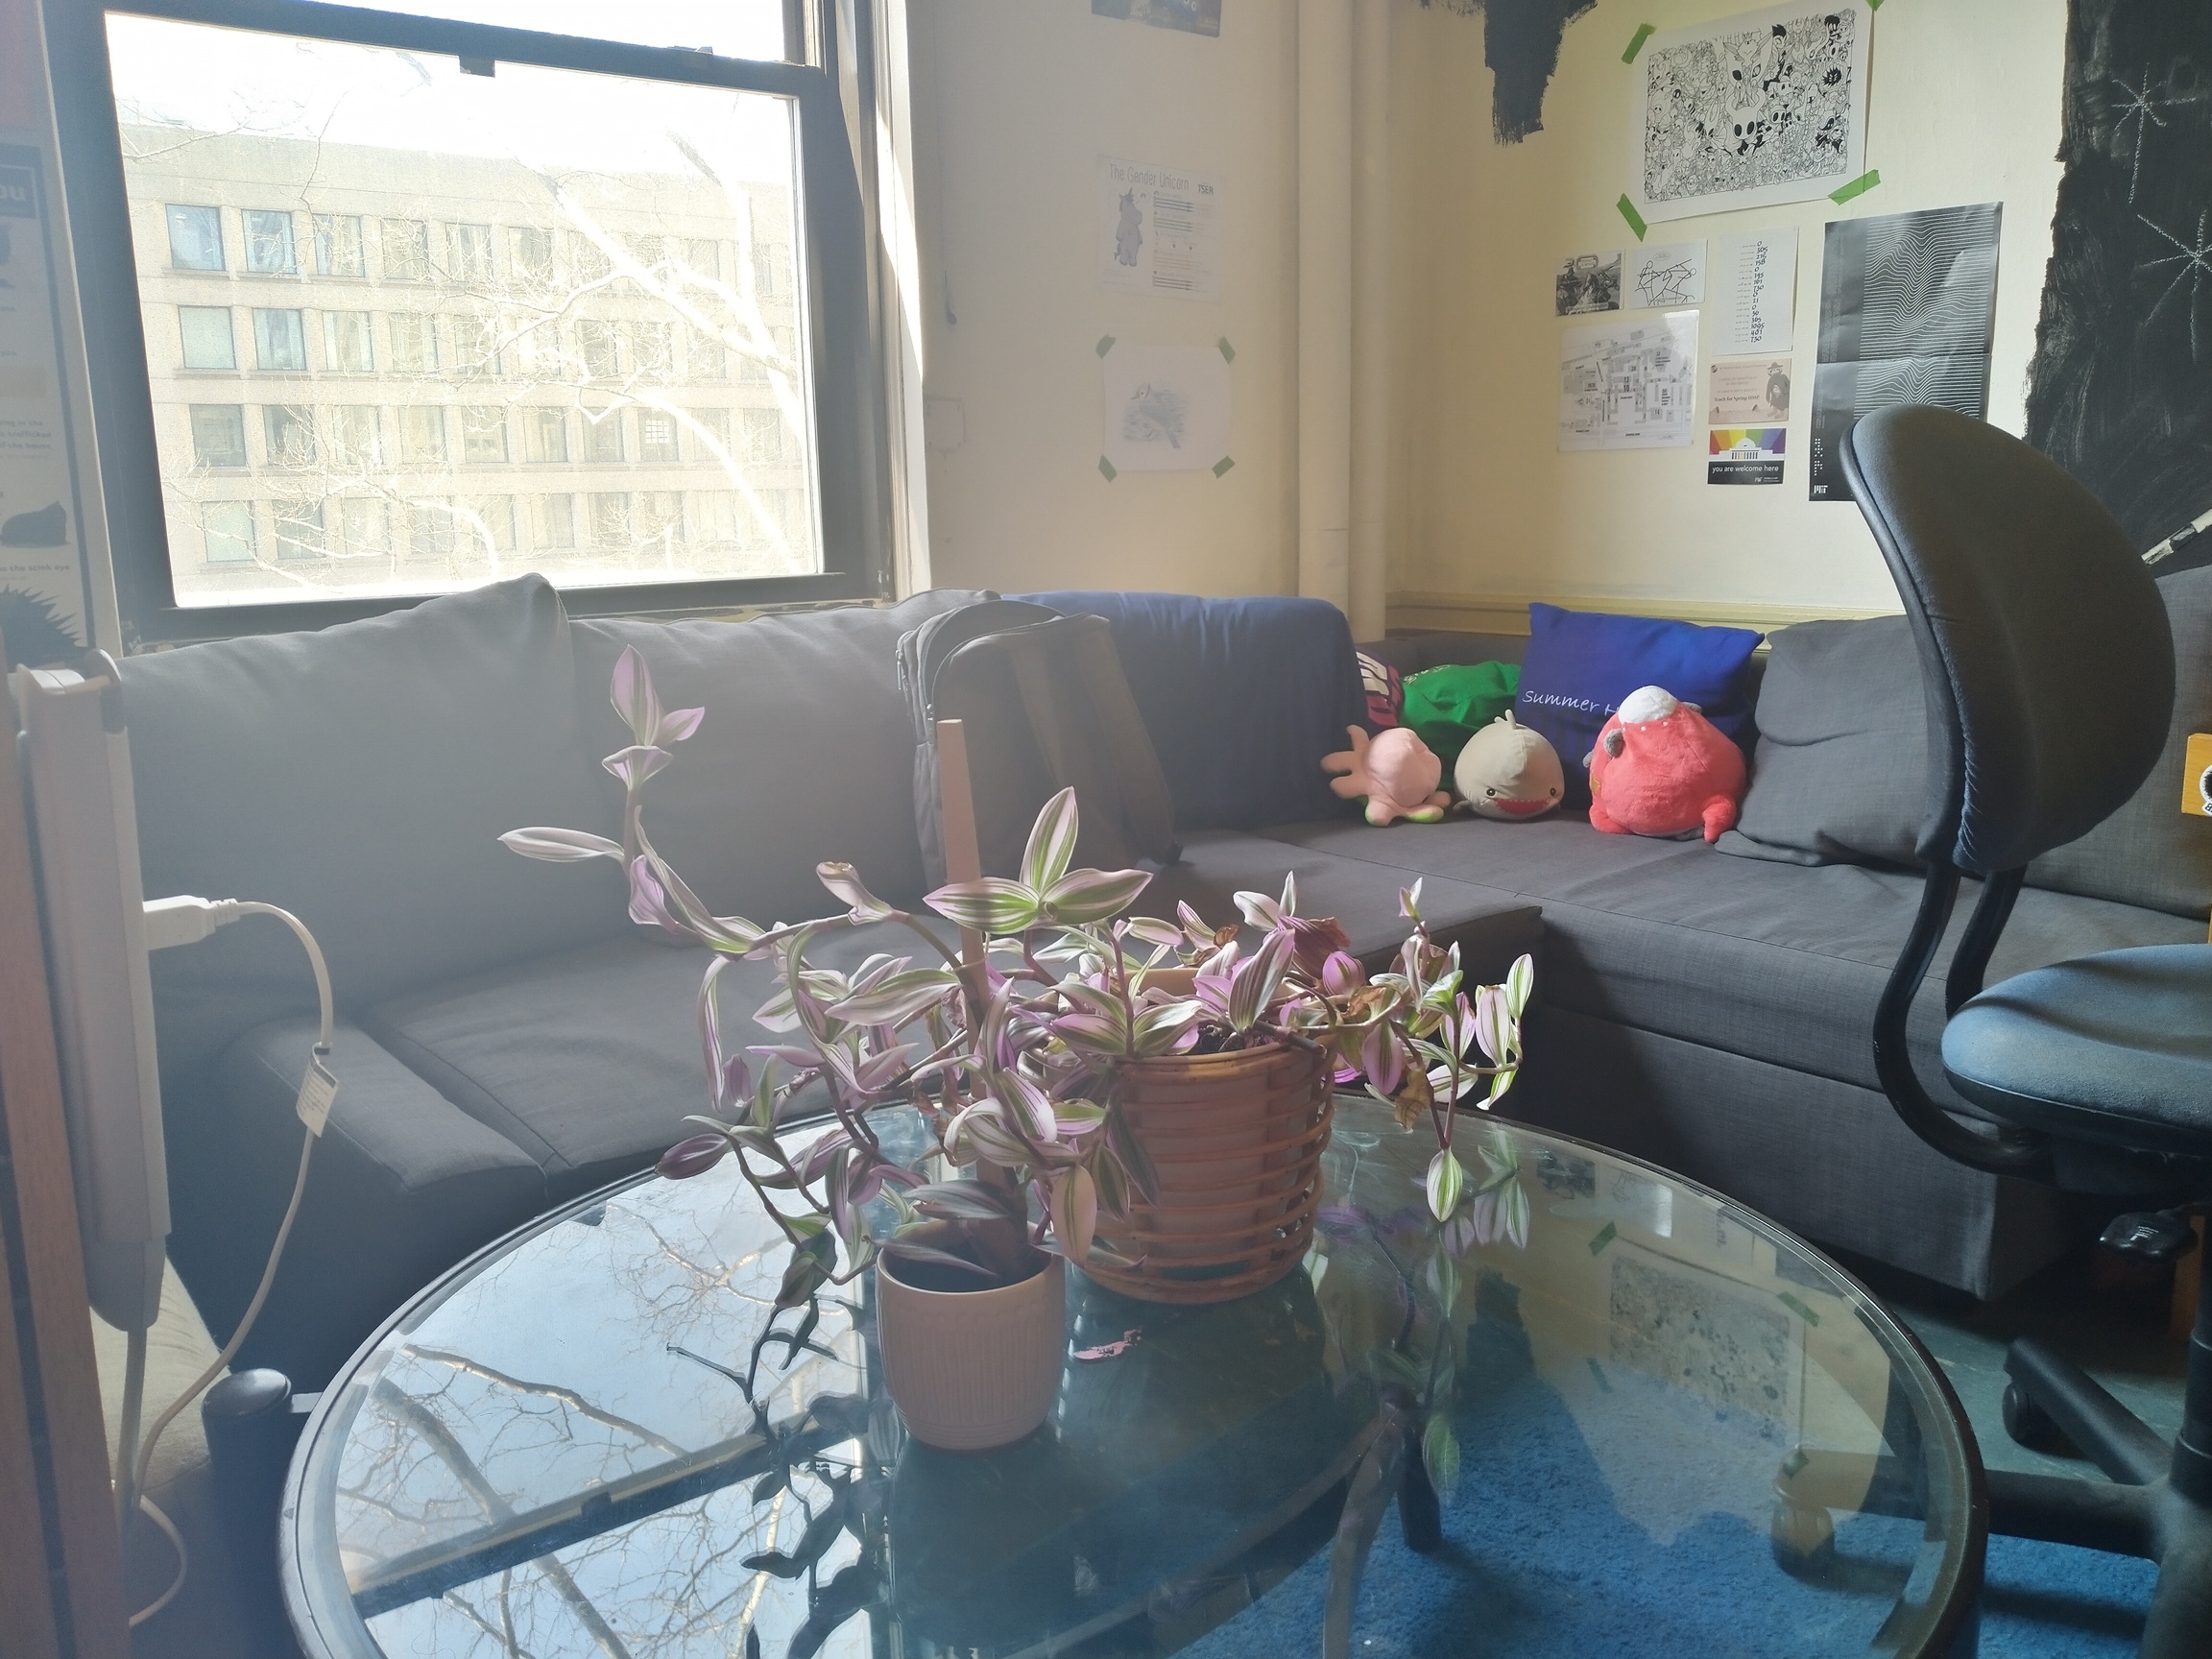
(184, 921)
(127, 1434)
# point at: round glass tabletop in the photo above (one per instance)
(1657, 1425)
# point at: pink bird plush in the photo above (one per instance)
(1397, 772)
(1661, 768)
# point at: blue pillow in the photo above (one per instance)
(1581, 663)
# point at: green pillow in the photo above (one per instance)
(1446, 706)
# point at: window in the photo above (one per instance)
(406, 251)
(484, 278)
(338, 244)
(596, 349)
(553, 521)
(279, 341)
(299, 529)
(771, 352)
(609, 521)
(484, 436)
(195, 238)
(356, 438)
(219, 434)
(530, 253)
(364, 527)
(475, 348)
(289, 431)
(206, 334)
(421, 435)
(546, 434)
(657, 436)
(469, 252)
(227, 528)
(414, 342)
(346, 347)
(430, 530)
(764, 433)
(269, 243)
(603, 435)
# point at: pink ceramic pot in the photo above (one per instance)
(972, 1369)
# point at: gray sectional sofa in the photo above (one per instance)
(509, 1039)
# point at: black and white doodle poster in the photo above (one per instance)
(1751, 111)
(2120, 390)
(1908, 312)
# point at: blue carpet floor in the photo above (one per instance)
(1548, 1550)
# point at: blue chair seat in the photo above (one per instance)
(2115, 1047)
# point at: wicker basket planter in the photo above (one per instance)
(1236, 1140)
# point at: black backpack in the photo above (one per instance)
(1045, 706)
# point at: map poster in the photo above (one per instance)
(1160, 230)
(1751, 110)
(1908, 313)
(1587, 282)
(1629, 385)
(1745, 454)
(1166, 408)
(44, 609)
(1754, 393)
(1663, 278)
(1755, 292)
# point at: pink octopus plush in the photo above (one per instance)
(1661, 768)
(1397, 772)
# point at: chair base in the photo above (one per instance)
(2159, 1504)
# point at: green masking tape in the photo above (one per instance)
(1634, 218)
(1222, 466)
(1106, 469)
(1606, 1236)
(1228, 351)
(1105, 344)
(1598, 1371)
(1797, 1307)
(1858, 186)
(1643, 33)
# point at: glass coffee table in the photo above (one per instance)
(1660, 1426)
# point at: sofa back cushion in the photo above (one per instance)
(806, 752)
(1840, 773)
(360, 777)
(1242, 698)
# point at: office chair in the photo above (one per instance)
(2095, 1074)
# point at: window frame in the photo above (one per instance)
(831, 53)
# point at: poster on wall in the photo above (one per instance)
(1165, 408)
(2120, 388)
(1754, 393)
(1629, 385)
(1907, 314)
(1661, 277)
(1191, 16)
(1751, 110)
(43, 603)
(1745, 454)
(1160, 230)
(1754, 292)
(1587, 282)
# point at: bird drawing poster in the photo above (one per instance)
(2120, 389)
(1907, 314)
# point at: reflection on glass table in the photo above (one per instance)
(1661, 1425)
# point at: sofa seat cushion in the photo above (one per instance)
(1772, 961)
(590, 1060)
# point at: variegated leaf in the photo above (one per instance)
(990, 905)
(1051, 845)
(1083, 896)
(559, 846)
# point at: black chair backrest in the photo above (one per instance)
(2044, 644)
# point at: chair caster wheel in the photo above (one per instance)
(1803, 1539)
(2028, 1424)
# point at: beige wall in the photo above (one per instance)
(1965, 109)
(22, 88)
(1015, 100)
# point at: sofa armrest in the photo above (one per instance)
(403, 1184)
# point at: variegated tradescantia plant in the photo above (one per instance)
(1011, 1059)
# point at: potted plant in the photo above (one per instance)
(1068, 1060)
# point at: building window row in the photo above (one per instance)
(442, 527)
(427, 250)
(365, 436)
